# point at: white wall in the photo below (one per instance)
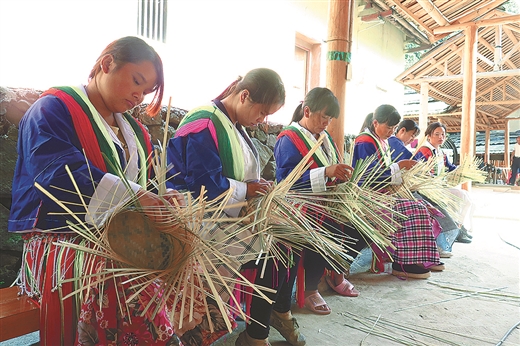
(377, 58)
(56, 42)
(514, 125)
(209, 43)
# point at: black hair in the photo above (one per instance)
(433, 126)
(318, 99)
(366, 123)
(131, 49)
(409, 125)
(385, 114)
(264, 85)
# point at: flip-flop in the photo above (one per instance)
(314, 301)
(345, 288)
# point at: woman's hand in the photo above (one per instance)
(153, 206)
(254, 188)
(406, 164)
(339, 171)
(175, 198)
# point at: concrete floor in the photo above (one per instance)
(474, 302)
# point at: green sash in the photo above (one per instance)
(224, 135)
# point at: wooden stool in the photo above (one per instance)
(19, 315)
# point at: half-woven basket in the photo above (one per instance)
(145, 244)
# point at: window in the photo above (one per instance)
(152, 19)
(301, 67)
(307, 55)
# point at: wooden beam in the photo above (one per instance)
(431, 67)
(469, 91)
(477, 11)
(504, 108)
(432, 115)
(486, 60)
(483, 116)
(495, 103)
(414, 17)
(510, 27)
(339, 36)
(507, 30)
(491, 74)
(416, 33)
(506, 145)
(486, 147)
(376, 16)
(506, 57)
(479, 23)
(457, 120)
(423, 114)
(497, 55)
(438, 92)
(491, 48)
(434, 12)
(494, 86)
(488, 114)
(512, 86)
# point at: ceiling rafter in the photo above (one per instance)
(433, 11)
(498, 57)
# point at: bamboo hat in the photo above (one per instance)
(145, 244)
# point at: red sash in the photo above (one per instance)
(91, 142)
(83, 127)
(298, 143)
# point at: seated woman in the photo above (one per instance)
(416, 251)
(404, 135)
(436, 136)
(211, 148)
(309, 121)
(88, 129)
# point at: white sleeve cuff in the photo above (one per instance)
(238, 196)
(318, 179)
(396, 174)
(110, 192)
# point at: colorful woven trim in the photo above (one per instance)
(224, 135)
(94, 138)
(304, 145)
(382, 153)
(428, 153)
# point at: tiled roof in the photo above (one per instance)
(496, 141)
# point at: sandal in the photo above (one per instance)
(315, 301)
(412, 271)
(435, 267)
(345, 288)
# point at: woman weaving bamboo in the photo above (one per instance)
(86, 129)
(432, 149)
(404, 135)
(230, 161)
(416, 251)
(310, 119)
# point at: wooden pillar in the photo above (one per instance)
(507, 154)
(338, 57)
(497, 57)
(467, 128)
(486, 148)
(423, 114)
